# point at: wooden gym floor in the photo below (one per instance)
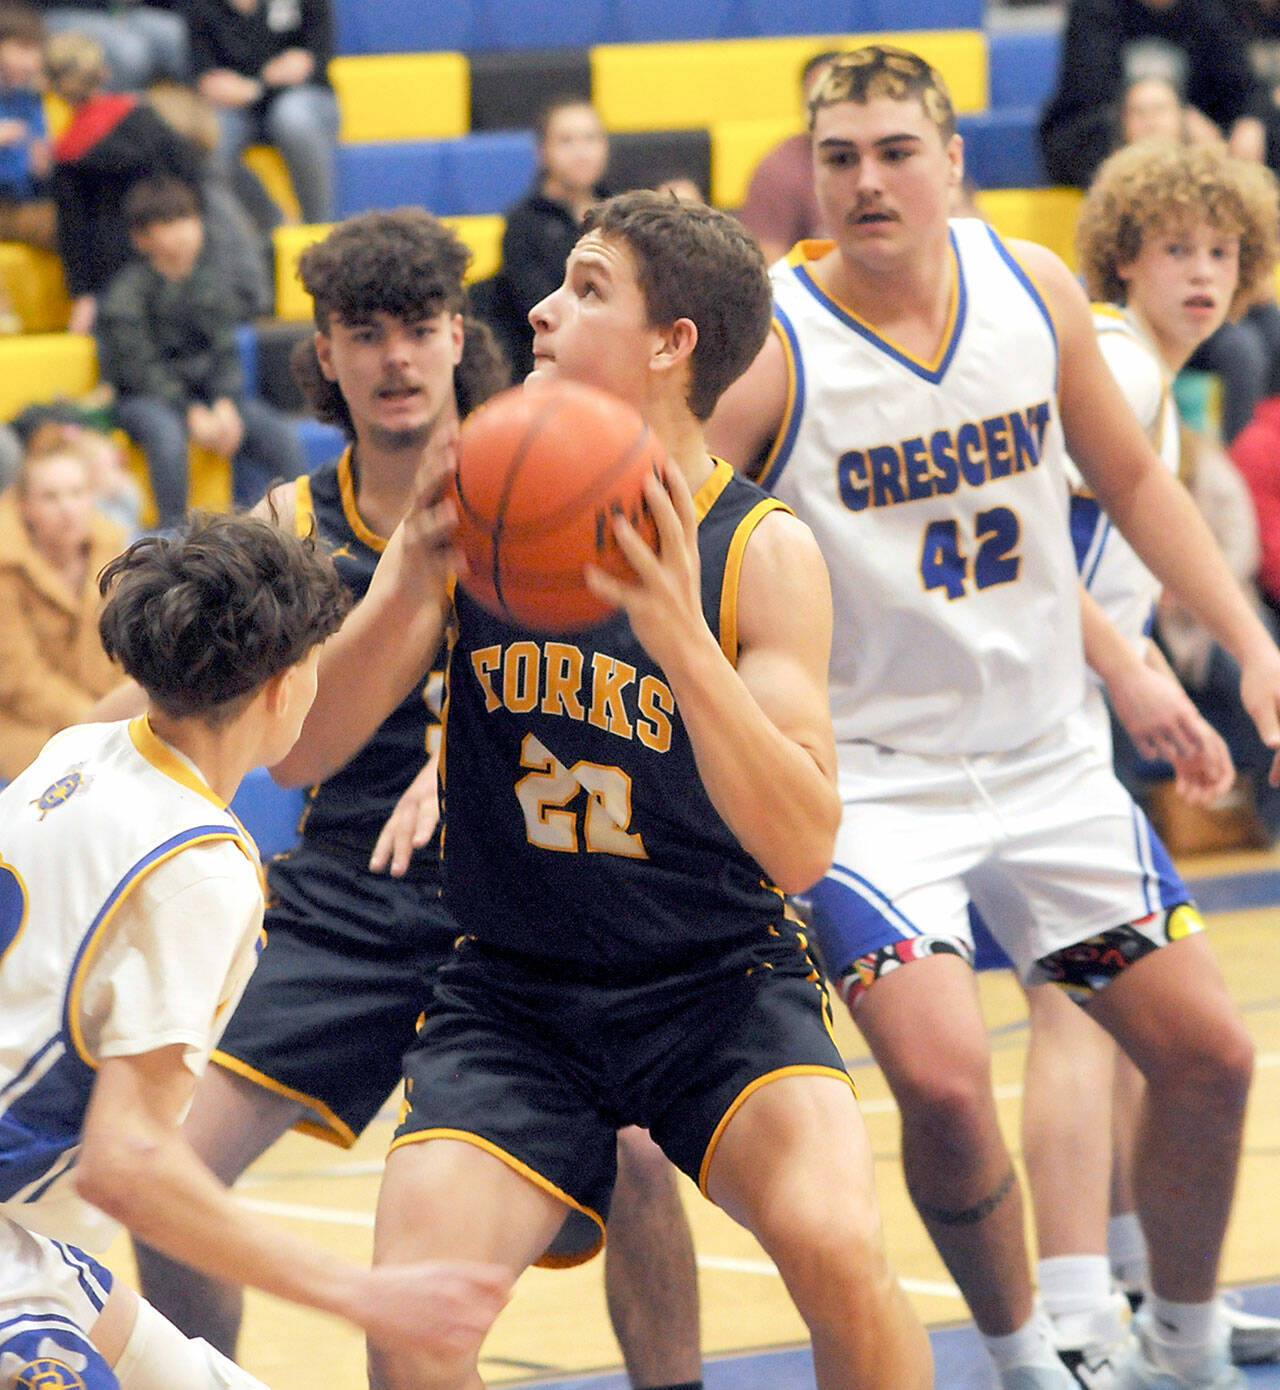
(555, 1333)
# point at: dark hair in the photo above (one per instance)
(21, 23)
(404, 263)
(819, 60)
(203, 619)
(695, 262)
(880, 70)
(482, 372)
(157, 201)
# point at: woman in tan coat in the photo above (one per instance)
(52, 545)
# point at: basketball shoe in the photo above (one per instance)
(1254, 1340)
(1147, 1364)
(1093, 1344)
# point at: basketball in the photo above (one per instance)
(540, 474)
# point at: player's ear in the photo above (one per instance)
(676, 344)
(324, 355)
(457, 333)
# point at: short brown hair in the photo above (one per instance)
(75, 65)
(695, 262)
(202, 620)
(1158, 185)
(880, 70)
(158, 201)
(21, 24)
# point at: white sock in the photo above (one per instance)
(1030, 1344)
(1071, 1284)
(1184, 1333)
(1127, 1250)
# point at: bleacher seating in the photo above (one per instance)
(437, 104)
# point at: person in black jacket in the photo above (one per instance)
(1108, 44)
(263, 64)
(543, 227)
(111, 142)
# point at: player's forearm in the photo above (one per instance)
(161, 1192)
(750, 769)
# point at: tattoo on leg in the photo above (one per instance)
(968, 1216)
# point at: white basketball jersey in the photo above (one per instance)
(1124, 587)
(102, 808)
(937, 491)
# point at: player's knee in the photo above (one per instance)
(1215, 1064)
(946, 1094)
(832, 1258)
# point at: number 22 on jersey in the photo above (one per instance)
(600, 826)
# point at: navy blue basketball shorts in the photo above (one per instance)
(339, 987)
(542, 1070)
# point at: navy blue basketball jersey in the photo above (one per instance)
(577, 828)
(345, 813)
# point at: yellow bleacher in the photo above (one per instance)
(36, 286)
(482, 233)
(675, 86)
(402, 96)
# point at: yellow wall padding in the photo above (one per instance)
(36, 287)
(39, 366)
(1046, 215)
(402, 96)
(675, 86)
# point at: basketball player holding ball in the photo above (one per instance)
(616, 863)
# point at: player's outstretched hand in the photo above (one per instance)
(410, 825)
(442, 1307)
(1157, 714)
(664, 602)
(1204, 776)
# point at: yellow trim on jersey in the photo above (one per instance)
(347, 490)
(805, 252)
(748, 1091)
(733, 572)
(304, 505)
(788, 410)
(164, 759)
(329, 1127)
(91, 948)
(716, 482)
(531, 1174)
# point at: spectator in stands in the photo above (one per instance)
(544, 225)
(112, 141)
(26, 210)
(237, 240)
(781, 207)
(264, 66)
(116, 494)
(52, 545)
(141, 43)
(167, 343)
(1151, 109)
(1108, 44)
(1211, 675)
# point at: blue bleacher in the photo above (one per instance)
(320, 443)
(391, 26)
(1001, 148)
(1022, 66)
(483, 172)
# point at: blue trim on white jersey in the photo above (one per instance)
(1027, 284)
(797, 400)
(130, 876)
(853, 917)
(865, 331)
(92, 1277)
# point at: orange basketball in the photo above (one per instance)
(540, 474)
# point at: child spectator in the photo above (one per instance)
(52, 545)
(110, 143)
(264, 66)
(166, 342)
(116, 494)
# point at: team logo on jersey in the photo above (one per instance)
(61, 791)
(53, 1367)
